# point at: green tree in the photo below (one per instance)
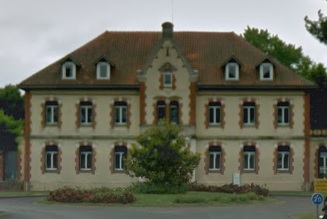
(12, 125)
(288, 54)
(317, 28)
(162, 157)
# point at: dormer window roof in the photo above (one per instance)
(68, 70)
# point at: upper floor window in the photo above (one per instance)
(283, 113)
(51, 157)
(266, 71)
(249, 158)
(283, 159)
(214, 113)
(215, 158)
(174, 112)
(167, 78)
(249, 113)
(85, 158)
(103, 70)
(232, 71)
(161, 110)
(68, 70)
(120, 112)
(51, 112)
(120, 156)
(86, 113)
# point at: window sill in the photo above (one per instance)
(214, 171)
(51, 171)
(283, 171)
(248, 171)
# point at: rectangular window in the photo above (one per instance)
(86, 113)
(51, 112)
(51, 158)
(120, 155)
(167, 78)
(283, 113)
(103, 70)
(249, 113)
(215, 158)
(174, 112)
(283, 160)
(120, 113)
(214, 113)
(161, 110)
(322, 164)
(85, 158)
(266, 71)
(232, 71)
(249, 156)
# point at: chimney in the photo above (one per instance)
(167, 30)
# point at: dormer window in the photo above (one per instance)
(103, 70)
(232, 71)
(266, 71)
(167, 79)
(68, 70)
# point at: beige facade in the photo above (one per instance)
(248, 126)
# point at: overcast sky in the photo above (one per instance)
(35, 33)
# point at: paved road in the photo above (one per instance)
(29, 208)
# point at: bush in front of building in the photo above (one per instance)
(231, 188)
(162, 158)
(76, 195)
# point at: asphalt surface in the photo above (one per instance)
(31, 208)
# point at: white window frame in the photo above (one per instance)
(281, 110)
(85, 154)
(88, 118)
(167, 78)
(52, 155)
(121, 114)
(281, 166)
(68, 65)
(323, 168)
(247, 113)
(51, 112)
(120, 155)
(100, 65)
(228, 68)
(247, 156)
(214, 110)
(214, 155)
(263, 67)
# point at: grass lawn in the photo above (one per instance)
(197, 199)
(21, 194)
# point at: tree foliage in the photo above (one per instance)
(12, 126)
(288, 54)
(317, 28)
(162, 157)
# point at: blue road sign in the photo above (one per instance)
(317, 198)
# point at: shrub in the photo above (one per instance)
(231, 188)
(67, 194)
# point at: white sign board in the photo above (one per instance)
(237, 179)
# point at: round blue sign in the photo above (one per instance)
(317, 198)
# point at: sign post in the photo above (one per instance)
(317, 199)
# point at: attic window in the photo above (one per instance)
(232, 71)
(266, 71)
(103, 70)
(68, 70)
(168, 78)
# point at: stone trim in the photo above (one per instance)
(192, 105)
(291, 113)
(43, 112)
(207, 159)
(112, 160)
(77, 158)
(256, 108)
(78, 109)
(27, 134)
(43, 158)
(112, 112)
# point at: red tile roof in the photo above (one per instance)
(129, 51)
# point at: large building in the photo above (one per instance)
(241, 109)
